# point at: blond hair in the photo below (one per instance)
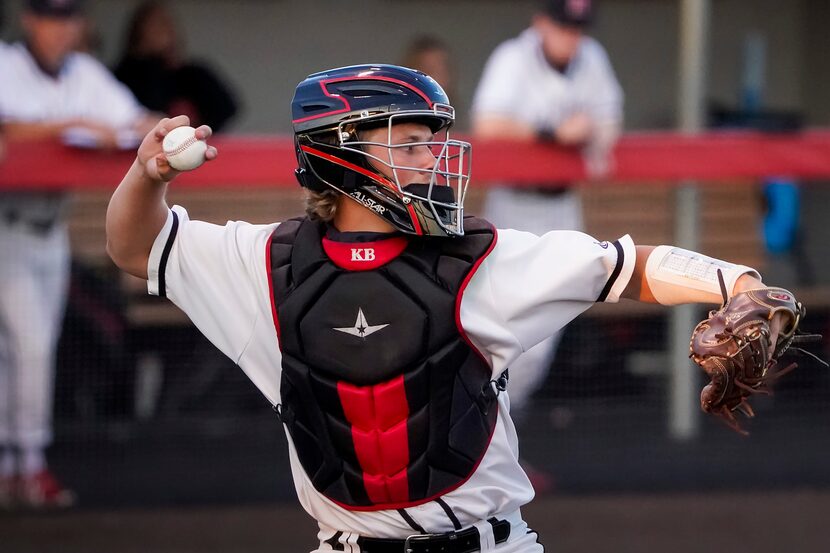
(321, 206)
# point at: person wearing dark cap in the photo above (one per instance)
(47, 91)
(551, 83)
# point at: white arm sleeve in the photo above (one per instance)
(215, 274)
(678, 276)
(531, 286)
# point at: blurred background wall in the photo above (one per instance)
(267, 46)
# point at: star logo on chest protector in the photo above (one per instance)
(361, 327)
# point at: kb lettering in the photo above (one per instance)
(363, 254)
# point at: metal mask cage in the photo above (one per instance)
(452, 161)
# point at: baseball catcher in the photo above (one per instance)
(380, 326)
(739, 345)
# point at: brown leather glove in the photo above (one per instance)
(736, 349)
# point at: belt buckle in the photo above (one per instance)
(415, 538)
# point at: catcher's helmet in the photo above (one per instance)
(330, 109)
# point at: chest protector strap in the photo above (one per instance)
(386, 402)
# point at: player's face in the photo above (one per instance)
(52, 38)
(405, 151)
(559, 42)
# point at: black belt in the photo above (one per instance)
(550, 191)
(462, 541)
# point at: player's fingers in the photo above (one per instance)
(178, 121)
(165, 172)
(204, 132)
(211, 153)
(151, 168)
(160, 129)
(168, 124)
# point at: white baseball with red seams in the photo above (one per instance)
(184, 151)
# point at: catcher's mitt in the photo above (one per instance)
(736, 349)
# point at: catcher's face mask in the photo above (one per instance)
(426, 170)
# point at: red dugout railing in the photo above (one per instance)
(640, 157)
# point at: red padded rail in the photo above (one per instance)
(269, 160)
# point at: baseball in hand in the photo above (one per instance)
(184, 151)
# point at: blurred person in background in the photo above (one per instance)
(552, 83)
(47, 91)
(154, 66)
(90, 41)
(431, 55)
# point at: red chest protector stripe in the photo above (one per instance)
(378, 416)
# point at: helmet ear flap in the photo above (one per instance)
(308, 180)
(305, 175)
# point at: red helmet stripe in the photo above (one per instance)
(374, 176)
(404, 84)
(415, 223)
(348, 165)
(325, 82)
(330, 95)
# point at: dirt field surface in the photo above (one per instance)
(779, 522)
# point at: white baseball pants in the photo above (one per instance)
(34, 275)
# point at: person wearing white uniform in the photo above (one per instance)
(379, 326)
(550, 83)
(46, 90)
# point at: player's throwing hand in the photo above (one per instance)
(151, 155)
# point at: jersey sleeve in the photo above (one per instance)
(531, 286)
(215, 274)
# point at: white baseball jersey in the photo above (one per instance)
(83, 89)
(526, 289)
(519, 83)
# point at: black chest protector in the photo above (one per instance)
(386, 402)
